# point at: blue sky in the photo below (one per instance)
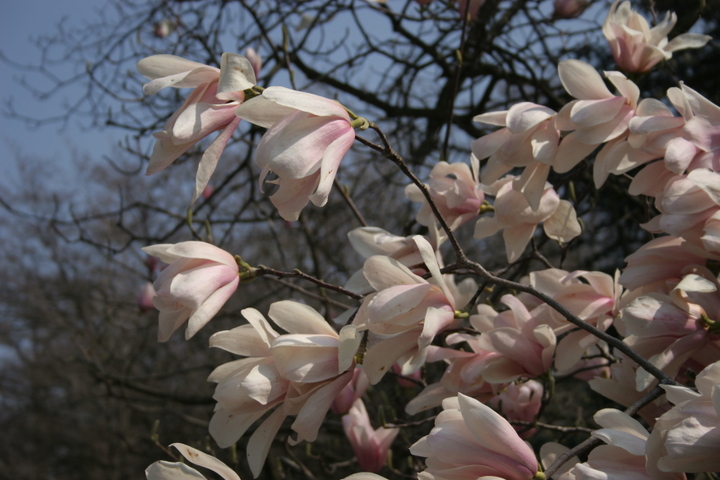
(23, 21)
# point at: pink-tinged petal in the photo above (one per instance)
(481, 419)
(195, 283)
(625, 432)
(243, 340)
(296, 317)
(161, 252)
(516, 239)
(262, 327)
(650, 180)
(306, 102)
(436, 320)
(544, 143)
(487, 145)
(626, 87)
(263, 112)
(582, 81)
(571, 349)
(393, 302)
(158, 66)
(364, 476)
(294, 147)
(570, 152)
(310, 418)
(486, 227)
(607, 131)
(369, 241)
(700, 105)
(226, 428)
(626, 158)
(236, 74)
(587, 113)
(525, 115)
(210, 158)
(677, 394)
(649, 123)
(703, 132)
(172, 471)
(293, 195)
(383, 272)
(380, 357)
(563, 225)
(678, 154)
(204, 460)
(170, 70)
(210, 308)
(687, 40)
(492, 118)
(333, 155)
(708, 181)
(169, 322)
(350, 338)
(306, 358)
(202, 250)
(261, 440)
(430, 259)
(532, 183)
(494, 169)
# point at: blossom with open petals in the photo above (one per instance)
(517, 220)
(209, 108)
(307, 138)
(198, 282)
(455, 191)
(637, 47)
(179, 471)
(597, 116)
(299, 373)
(471, 441)
(687, 438)
(530, 139)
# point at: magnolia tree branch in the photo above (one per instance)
(593, 442)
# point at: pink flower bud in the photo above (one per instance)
(145, 298)
(370, 446)
(569, 8)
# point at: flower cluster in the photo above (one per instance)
(500, 355)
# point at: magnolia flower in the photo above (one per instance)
(530, 139)
(623, 458)
(198, 282)
(669, 329)
(660, 260)
(307, 138)
(209, 108)
(524, 342)
(299, 373)
(520, 402)
(471, 441)
(455, 192)
(687, 438)
(517, 220)
(590, 296)
(637, 47)
(405, 300)
(597, 116)
(179, 471)
(370, 446)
